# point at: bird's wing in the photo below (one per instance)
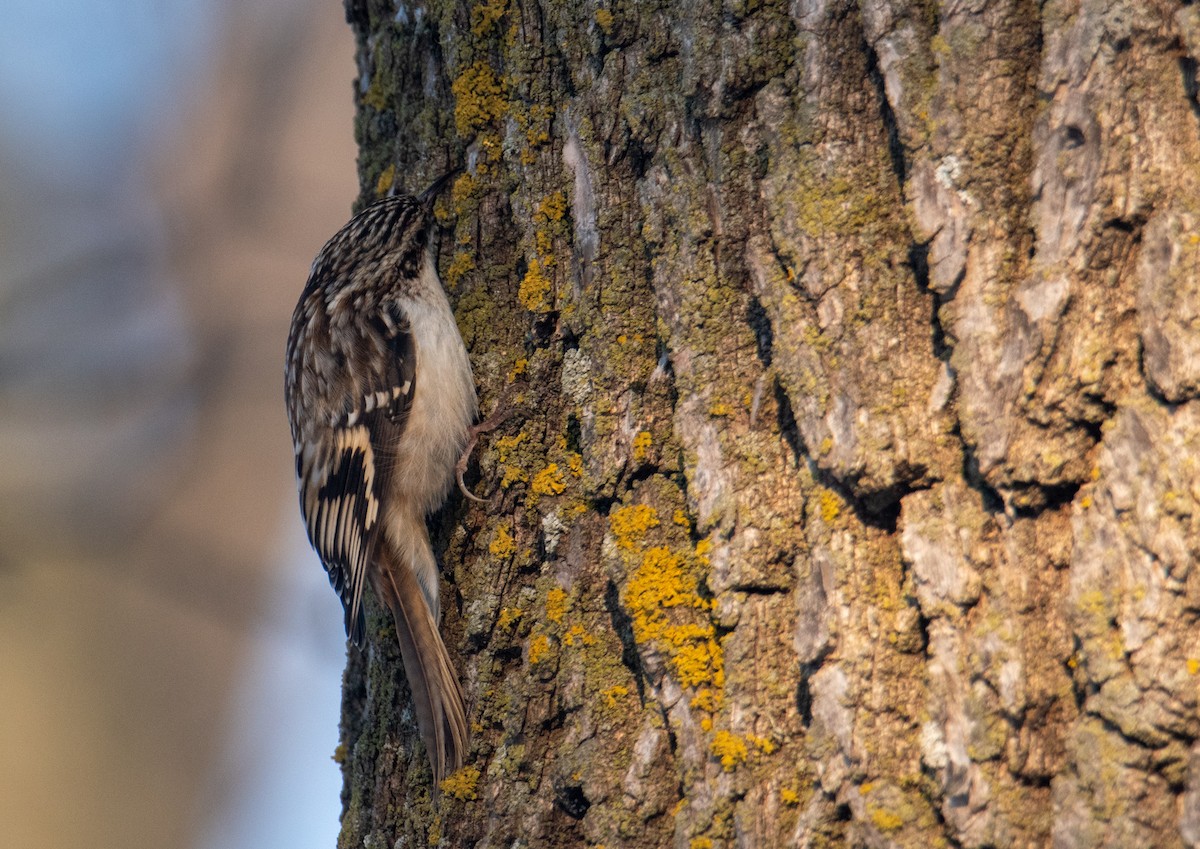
(343, 462)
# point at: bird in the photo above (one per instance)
(380, 400)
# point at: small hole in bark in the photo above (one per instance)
(574, 433)
(1072, 137)
(543, 328)
(571, 801)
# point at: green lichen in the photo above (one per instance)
(462, 263)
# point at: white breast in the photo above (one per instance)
(444, 403)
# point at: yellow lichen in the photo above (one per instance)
(830, 503)
(884, 819)
(604, 20)
(539, 648)
(614, 694)
(535, 288)
(789, 796)
(534, 122)
(706, 699)
(763, 744)
(509, 615)
(1193, 665)
(729, 748)
(465, 189)
(549, 481)
(578, 634)
(386, 180)
(552, 208)
(629, 524)
(505, 445)
(681, 518)
(700, 843)
(697, 656)
(485, 15)
(575, 464)
(512, 474)
(660, 583)
(556, 605)
(518, 368)
(478, 98)
(664, 599)
(641, 444)
(503, 544)
(462, 783)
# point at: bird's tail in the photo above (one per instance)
(437, 695)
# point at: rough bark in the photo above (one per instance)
(850, 500)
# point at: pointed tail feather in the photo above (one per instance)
(437, 695)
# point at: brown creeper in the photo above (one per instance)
(380, 399)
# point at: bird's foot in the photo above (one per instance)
(502, 413)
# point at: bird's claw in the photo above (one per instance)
(459, 471)
(497, 418)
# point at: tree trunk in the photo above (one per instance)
(855, 350)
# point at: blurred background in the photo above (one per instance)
(170, 651)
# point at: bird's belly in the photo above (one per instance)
(442, 411)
